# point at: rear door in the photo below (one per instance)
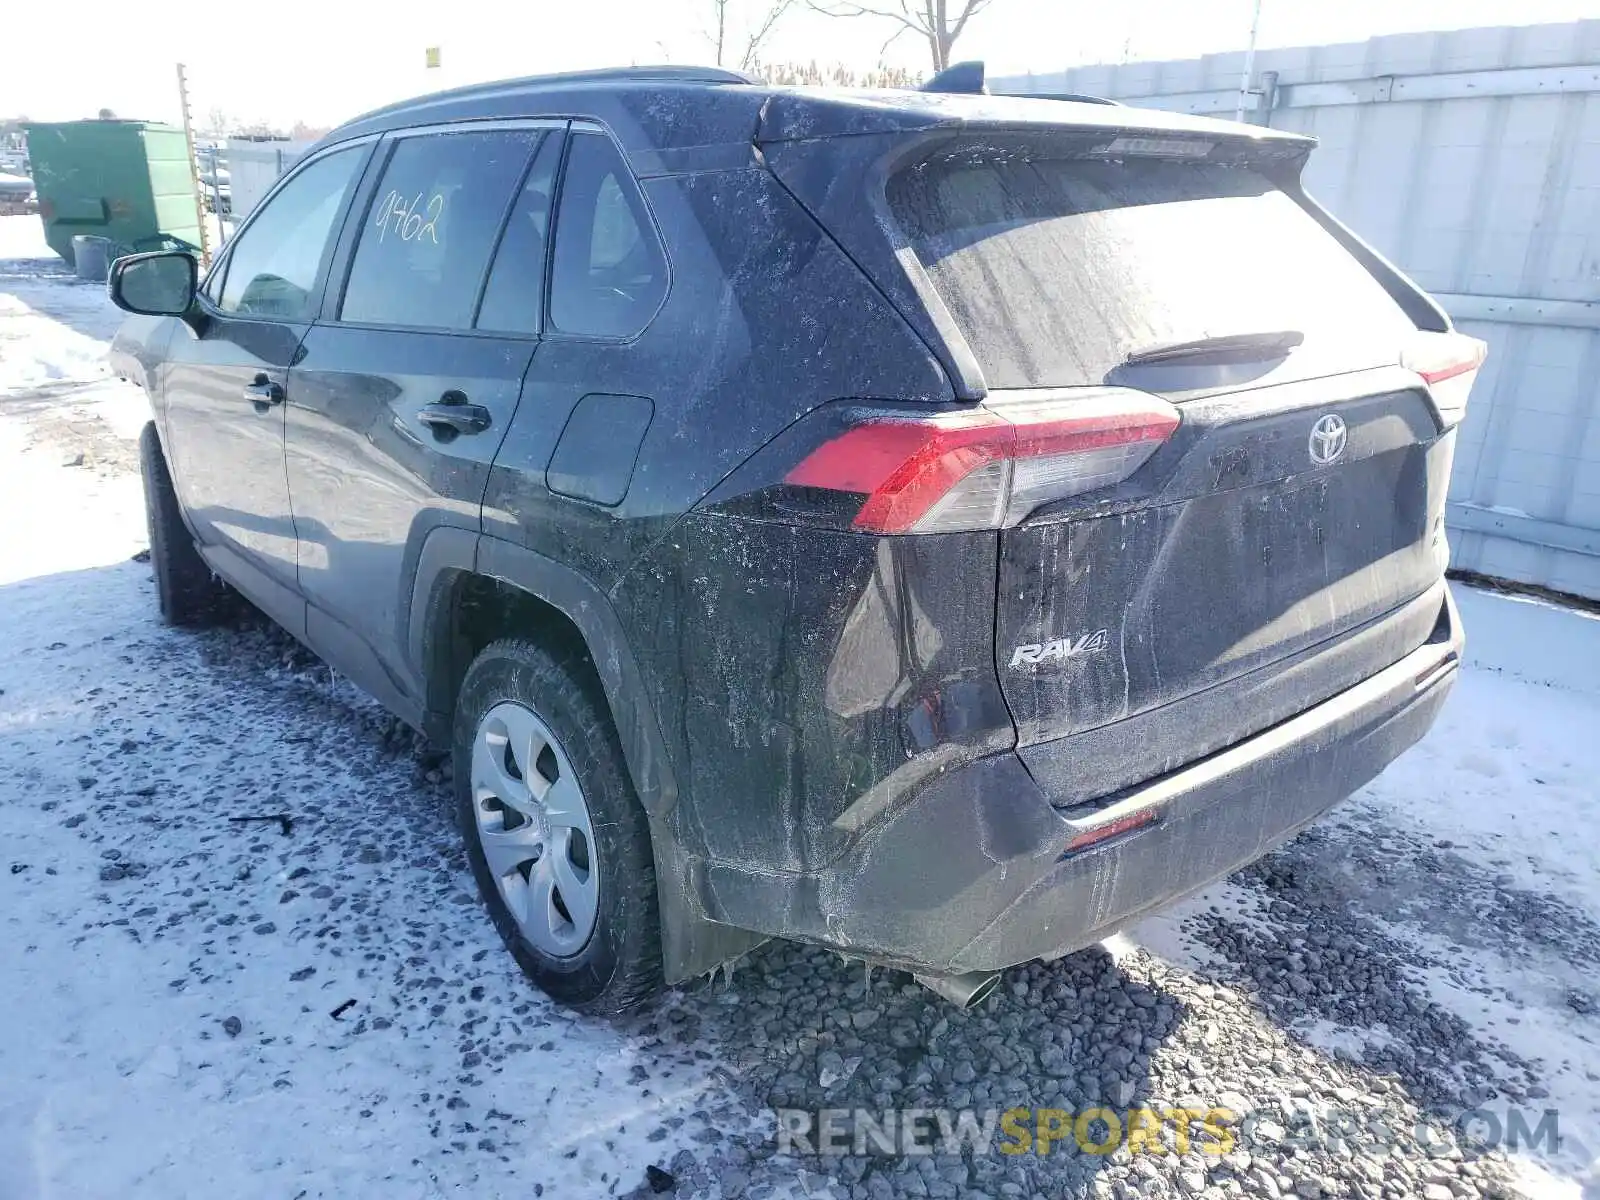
(406, 386)
(589, 397)
(1301, 494)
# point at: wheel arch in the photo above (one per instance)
(471, 590)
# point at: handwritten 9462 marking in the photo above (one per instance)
(409, 221)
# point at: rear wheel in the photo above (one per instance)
(189, 594)
(557, 839)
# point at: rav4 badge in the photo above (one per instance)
(1059, 649)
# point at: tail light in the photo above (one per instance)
(1448, 363)
(986, 468)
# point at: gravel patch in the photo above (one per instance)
(1088, 1031)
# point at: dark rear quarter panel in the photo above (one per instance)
(810, 680)
(765, 320)
(775, 657)
(789, 667)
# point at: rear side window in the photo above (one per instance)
(433, 221)
(273, 266)
(609, 274)
(512, 299)
(1056, 270)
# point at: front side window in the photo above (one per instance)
(211, 285)
(609, 273)
(272, 268)
(432, 223)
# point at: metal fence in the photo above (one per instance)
(253, 167)
(1472, 159)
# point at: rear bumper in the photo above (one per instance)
(976, 871)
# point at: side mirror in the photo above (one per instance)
(161, 284)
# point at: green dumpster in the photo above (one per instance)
(127, 181)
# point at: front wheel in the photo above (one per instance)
(189, 594)
(557, 839)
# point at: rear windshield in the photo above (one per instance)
(1057, 270)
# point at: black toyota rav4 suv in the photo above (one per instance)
(939, 527)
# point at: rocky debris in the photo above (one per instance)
(120, 869)
(284, 821)
(1135, 1033)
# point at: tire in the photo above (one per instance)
(616, 964)
(189, 594)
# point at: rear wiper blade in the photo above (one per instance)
(1229, 347)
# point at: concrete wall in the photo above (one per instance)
(1472, 159)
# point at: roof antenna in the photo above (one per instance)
(962, 78)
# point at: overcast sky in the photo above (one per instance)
(323, 61)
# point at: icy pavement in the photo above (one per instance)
(193, 1004)
(201, 1000)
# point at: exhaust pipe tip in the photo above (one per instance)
(964, 991)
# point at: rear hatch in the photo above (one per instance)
(1240, 557)
(1296, 501)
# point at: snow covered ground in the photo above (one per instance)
(171, 974)
(200, 999)
(1471, 857)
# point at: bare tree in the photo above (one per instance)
(937, 22)
(218, 122)
(815, 74)
(755, 31)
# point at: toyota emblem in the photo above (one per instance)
(1327, 439)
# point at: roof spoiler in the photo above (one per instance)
(962, 79)
(967, 79)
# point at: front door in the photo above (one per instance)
(226, 380)
(404, 389)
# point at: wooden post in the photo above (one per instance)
(1249, 62)
(194, 169)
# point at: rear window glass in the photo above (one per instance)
(1057, 270)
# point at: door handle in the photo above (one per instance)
(263, 393)
(448, 418)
